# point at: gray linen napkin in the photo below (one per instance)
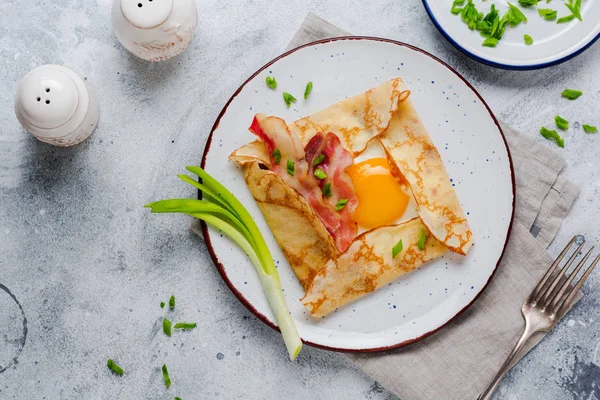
(459, 360)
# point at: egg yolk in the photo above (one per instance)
(381, 199)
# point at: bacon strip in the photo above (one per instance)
(276, 135)
(337, 159)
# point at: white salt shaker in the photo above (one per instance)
(155, 30)
(54, 105)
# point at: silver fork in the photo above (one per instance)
(547, 304)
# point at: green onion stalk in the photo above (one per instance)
(222, 210)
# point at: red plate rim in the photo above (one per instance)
(221, 267)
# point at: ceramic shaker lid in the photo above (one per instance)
(47, 98)
(54, 104)
(146, 14)
(155, 30)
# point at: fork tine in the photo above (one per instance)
(548, 290)
(542, 282)
(558, 294)
(575, 290)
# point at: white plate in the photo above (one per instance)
(553, 43)
(472, 147)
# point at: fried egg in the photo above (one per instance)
(383, 198)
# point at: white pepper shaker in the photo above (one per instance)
(54, 105)
(155, 30)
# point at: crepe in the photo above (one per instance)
(420, 163)
(332, 276)
(298, 231)
(368, 264)
(358, 119)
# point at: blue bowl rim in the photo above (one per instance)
(501, 65)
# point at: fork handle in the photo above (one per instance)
(489, 391)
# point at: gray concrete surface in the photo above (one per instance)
(89, 265)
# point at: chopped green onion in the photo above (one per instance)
(271, 82)
(571, 94)
(167, 327)
(288, 98)
(341, 204)
(552, 135)
(185, 325)
(326, 190)
(516, 15)
(490, 25)
(162, 304)
(397, 249)
(490, 42)
(575, 7)
(528, 40)
(177, 398)
(563, 20)
(561, 122)
(222, 210)
(547, 13)
(589, 129)
(422, 239)
(319, 173)
(276, 156)
(114, 367)
(318, 160)
(165, 373)
(455, 6)
(528, 3)
(291, 167)
(308, 90)
(172, 302)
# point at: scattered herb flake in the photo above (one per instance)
(455, 7)
(178, 398)
(575, 7)
(397, 249)
(589, 129)
(548, 14)
(318, 160)
(528, 40)
(308, 90)
(172, 302)
(571, 94)
(422, 240)
(327, 190)
(552, 135)
(167, 327)
(516, 15)
(562, 123)
(114, 367)
(291, 167)
(166, 377)
(528, 3)
(272, 82)
(288, 98)
(162, 304)
(341, 204)
(276, 156)
(185, 325)
(320, 174)
(566, 19)
(490, 42)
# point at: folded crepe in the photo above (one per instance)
(335, 264)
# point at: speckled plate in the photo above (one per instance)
(473, 149)
(553, 43)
